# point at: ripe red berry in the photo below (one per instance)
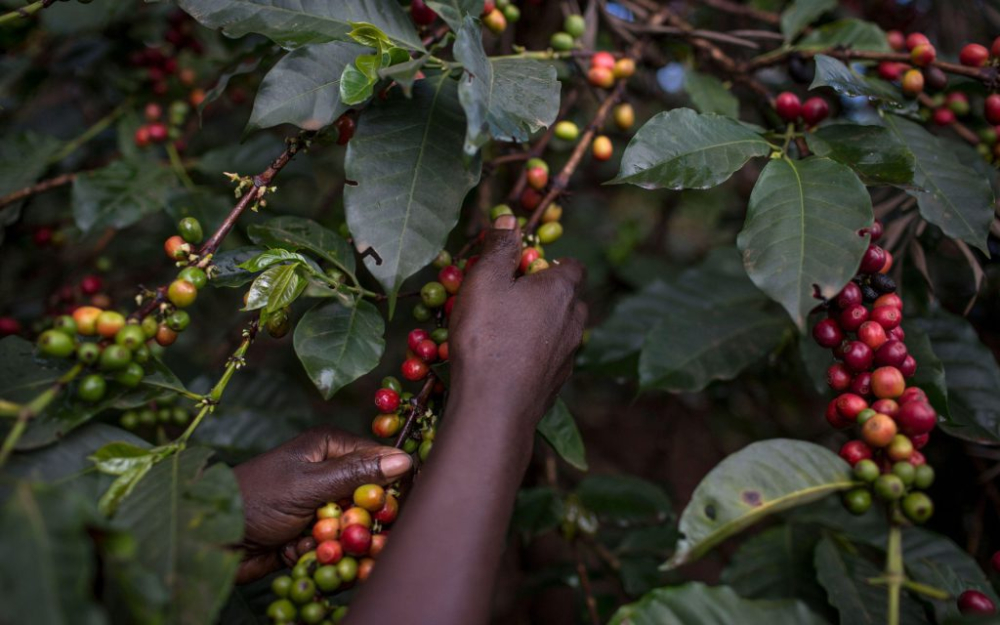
(329, 551)
(891, 354)
(443, 351)
(378, 544)
(603, 59)
(855, 451)
(414, 369)
(887, 316)
(915, 39)
(356, 539)
(886, 406)
(827, 333)
(788, 106)
(991, 108)
(528, 256)
(537, 177)
(176, 247)
(887, 383)
(833, 416)
(917, 459)
(861, 384)
(919, 441)
(974, 55)
(422, 14)
(386, 425)
(427, 351)
(416, 337)
(995, 47)
(158, 132)
(153, 112)
(872, 334)
(908, 367)
(889, 299)
(838, 377)
(913, 393)
(530, 199)
(944, 116)
(449, 305)
(451, 277)
(912, 82)
(873, 260)
(923, 55)
(858, 356)
(975, 602)
(916, 417)
(9, 326)
(896, 40)
(388, 512)
(897, 333)
(386, 400)
(814, 110)
(852, 317)
(849, 296)
(601, 77)
(850, 404)
(891, 71)
(345, 125)
(91, 284)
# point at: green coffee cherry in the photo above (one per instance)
(905, 471)
(190, 230)
(421, 312)
(66, 325)
(347, 568)
(178, 320)
(131, 375)
(410, 445)
(393, 383)
(88, 353)
(281, 585)
(425, 450)
(141, 354)
(550, 232)
(575, 25)
(439, 335)
(534, 163)
(312, 613)
(512, 13)
(149, 326)
(924, 477)
(194, 275)
(130, 337)
(889, 487)
(918, 507)
(327, 579)
(499, 210)
(180, 416)
(442, 260)
(282, 611)
(567, 131)
(864, 415)
(91, 388)
(129, 420)
(147, 418)
(433, 295)
(561, 41)
(115, 357)
(858, 501)
(866, 470)
(56, 343)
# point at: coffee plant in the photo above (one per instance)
(786, 408)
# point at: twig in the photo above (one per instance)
(41, 187)
(539, 147)
(418, 408)
(960, 129)
(33, 409)
(741, 9)
(710, 35)
(588, 591)
(97, 128)
(986, 74)
(25, 12)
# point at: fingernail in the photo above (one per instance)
(505, 222)
(395, 465)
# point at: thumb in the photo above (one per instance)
(337, 478)
(501, 250)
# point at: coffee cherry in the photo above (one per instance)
(849, 405)
(176, 248)
(281, 585)
(852, 317)
(891, 353)
(312, 613)
(326, 529)
(422, 14)
(91, 388)
(575, 25)
(624, 68)
(512, 13)
(920, 440)
(88, 353)
(886, 406)
(414, 369)
(601, 77)
(91, 285)
(889, 487)
(603, 59)
(975, 603)
(566, 130)
(386, 400)
(371, 497)
(908, 367)
(865, 415)
(900, 448)
(282, 611)
(389, 510)
(873, 260)
(326, 577)
(912, 393)
(788, 106)
(861, 384)
(330, 510)
(873, 335)
(879, 430)
(109, 323)
(866, 471)
(415, 337)
(451, 278)
(190, 230)
(896, 40)
(912, 82)
(916, 417)
(194, 275)
(887, 382)
(496, 21)
(918, 507)
(624, 116)
(182, 293)
(425, 450)
(537, 177)
(356, 540)
(827, 333)
(427, 351)
(439, 335)
(56, 344)
(115, 357)
(995, 562)
(345, 125)
(814, 110)
(141, 137)
(378, 544)
(923, 55)
(834, 418)
(838, 377)
(165, 336)
(855, 451)
(974, 55)
(329, 552)
(943, 117)
(849, 296)
(550, 232)
(888, 317)
(904, 471)
(528, 256)
(958, 103)
(915, 39)
(991, 108)
(561, 41)
(131, 375)
(131, 336)
(530, 199)
(347, 569)
(858, 356)
(890, 299)
(888, 70)
(178, 320)
(602, 148)
(356, 516)
(857, 501)
(386, 425)
(538, 265)
(883, 283)
(303, 590)
(433, 294)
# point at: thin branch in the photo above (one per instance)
(588, 591)
(709, 35)
(741, 9)
(985, 74)
(416, 411)
(25, 12)
(41, 187)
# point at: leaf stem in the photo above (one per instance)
(32, 409)
(178, 166)
(25, 12)
(894, 574)
(926, 590)
(97, 128)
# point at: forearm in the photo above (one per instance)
(440, 564)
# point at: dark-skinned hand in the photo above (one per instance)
(283, 488)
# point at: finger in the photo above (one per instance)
(563, 275)
(323, 442)
(501, 251)
(337, 478)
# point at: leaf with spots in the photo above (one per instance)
(339, 344)
(759, 480)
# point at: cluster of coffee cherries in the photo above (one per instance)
(159, 128)
(160, 64)
(116, 348)
(893, 421)
(605, 69)
(339, 551)
(160, 413)
(392, 403)
(566, 39)
(789, 108)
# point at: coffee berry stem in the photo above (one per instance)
(894, 570)
(33, 409)
(25, 12)
(178, 166)
(416, 411)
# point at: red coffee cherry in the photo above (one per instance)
(355, 516)
(833, 416)
(873, 260)
(889, 299)
(878, 431)
(416, 337)
(991, 108)
(891, 71)
(814, 110)
(975, 602)
(855, 451)
(872, 334)
(451, 277)
(788, 106)
(915, 39)
(861, 384)
(366, 564)
(974, 55)
(427, 350)
(912, 82)
(858, 356)
(386, 400)
(326, 529)
(388, 512)
(422, 14)
(386, 425)
(852, 317)
(896, 40)
(378, 544)
(603, 59)
(176, 247)
(849, 405)
(346, 125)
(158, 132)
(329, 552)
(601, 77)
(916, 417)
(849, 296)
(356, 540)
(827, 333)
(923, 55)
(537, 177)
(528, 256)
(10, 326)
(892, 354)
(530, 199)
(414, 369)
(912, 394)
(944, 117)
(91, 284)
(838, 377)
(886, 406)
(443, 351)
(887, 316)
(887, 383)
(908, 367)
(897, 334)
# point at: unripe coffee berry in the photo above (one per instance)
(131, 375)
(528, 256)
(165, 336)
(889, 487)
(194, 275)
(912, 82)
(433, 295)
(566, 130)
(131, 336)
(900, 448)
(575, 25)
(392, 383)
(91, 388)
(500, 210)
(923, 55)
(109, 323)
(601, 77)
(602, 148)
(887, 383)
(561, 41)
(178, 320)
(190, 230)
(858, 501)
(371, 497)
(918, 507)
(624, 116)
(537, 177)
(865, 415)
(182, 293)
(879, 430)
(56, 344)
(115, 357)
(88, 353)
(326, 529)
(550, 232)
(905, 471)
(176, 248)
(866, 471)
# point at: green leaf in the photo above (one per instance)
(760, 479)
(802, 13)
(222, 82)
(834, 74)
(845, 577)
(971, 374)
(475, 87)
(49, 559)
(118, 457)
(937, 561)
(849, 33)
(24, 157)
(624, 498)
(227, 272)
(70, 457)
(777, 564)
(337, 345)
(124, 484)
(370, 36)
(355, 86)
(695, 603)
(559, 429)
(950, 195)
(185, 517)
(405, 73)
(408, 178)
(303, 88)
(801, 238)
(453, 12)
(268, 258)
(709, 95)
(276, 288)
(120, 194)
(680, 149)
(873, 152)
(536, 511)
(298, 233)
(22, 377)
(293, 23)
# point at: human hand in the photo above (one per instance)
(283, 488)
(512, 339)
